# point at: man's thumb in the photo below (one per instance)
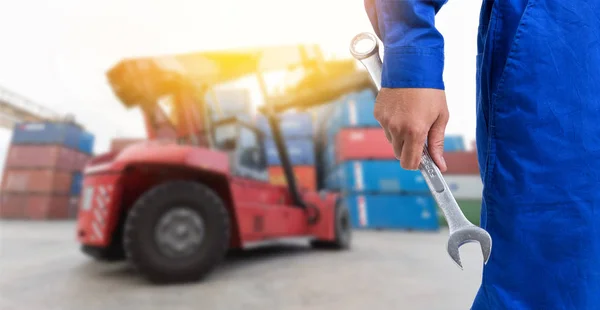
(436, 144)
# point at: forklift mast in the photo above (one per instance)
(170, 90)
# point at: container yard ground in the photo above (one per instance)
(42, 268)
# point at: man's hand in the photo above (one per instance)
(409, 116)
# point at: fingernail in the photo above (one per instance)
(444, 162)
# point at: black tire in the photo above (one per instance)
(343, 231)
(109, 254)
(141, 246)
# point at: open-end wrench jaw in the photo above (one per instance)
(465, 235)
(364, 47)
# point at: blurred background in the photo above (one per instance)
(54, 58)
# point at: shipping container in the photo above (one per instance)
(65, 134)
(291, 124)
(465, 186)
(86, 143)
(355, 110)
(300, 151)
(392, 211)
(333, 180)
(118, 144)
(362, 143)
(454, 143)
(306, 176)
(36, 181)
(329, 161)
(12, 206)
(380, 176)
(461, 163)
(45, 207)
(82, 160)
(44, 156)
(34, 206)
(320, 114)
(76, 184)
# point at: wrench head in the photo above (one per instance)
(468, 234)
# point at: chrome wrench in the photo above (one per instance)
(365, 48)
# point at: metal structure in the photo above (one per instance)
(16, 108)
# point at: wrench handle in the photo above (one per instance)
(368, 55)
(441, 192)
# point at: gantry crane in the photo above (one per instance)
(16, 108)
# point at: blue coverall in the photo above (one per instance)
(538, 138)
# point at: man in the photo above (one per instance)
(538, 136)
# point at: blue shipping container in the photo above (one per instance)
(356, 110)
(333, 181)
(392, 211)
(86, 143)
(76, 184)
(300, 152)
(380, 176)
(292, 125)
(329, 161)
(321, 114)
(454, 143)
(47, 133)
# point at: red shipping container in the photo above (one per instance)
(306, 176)
(363, 143)
(12, 206)
(117, 145)
(461, 163)
(81, 161)
(36, 181)
(45, 207)
(43, 156)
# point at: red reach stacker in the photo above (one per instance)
(173, 206)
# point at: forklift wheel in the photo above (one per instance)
(343, 230)
(177, 232)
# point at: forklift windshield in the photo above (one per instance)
(243, 142)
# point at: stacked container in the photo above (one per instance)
(43, 171)
(358, 161)
(298, 135)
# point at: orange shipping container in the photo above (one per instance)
(42, 207)
(305, 176)
(461, 163)
(12, 206)
(34, 207)
(45, 156)
(36, 181)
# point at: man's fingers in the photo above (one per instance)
(412, 149)
(388, 135)
(397, 145)
(436, 142)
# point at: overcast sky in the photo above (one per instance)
(56, 52)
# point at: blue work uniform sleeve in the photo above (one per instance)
(413, 47)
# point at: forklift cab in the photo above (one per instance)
(243, 142)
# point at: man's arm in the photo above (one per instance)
(411, 106)
(414, 48)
